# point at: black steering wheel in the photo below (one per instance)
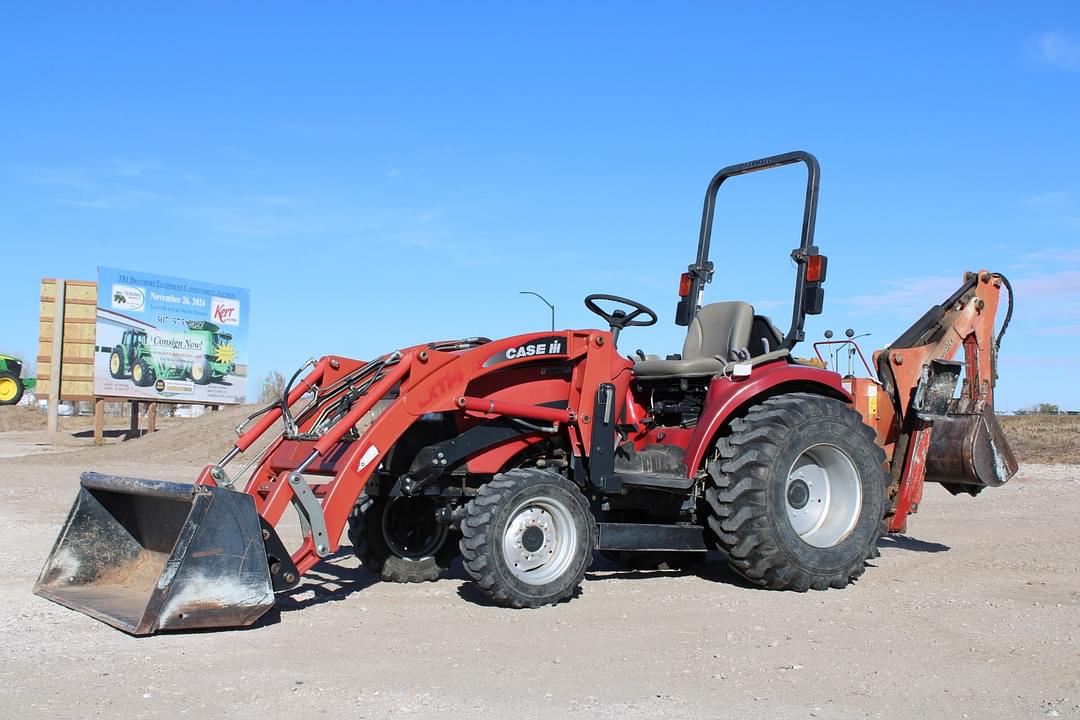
(619, 319)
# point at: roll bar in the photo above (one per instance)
(808, 294)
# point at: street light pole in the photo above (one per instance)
(543, 300)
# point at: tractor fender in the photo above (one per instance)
(729, 395)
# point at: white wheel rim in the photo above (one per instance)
(540, 540)
(823, 495)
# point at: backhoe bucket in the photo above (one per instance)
(969, 451)
(150, 555)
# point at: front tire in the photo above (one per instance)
(142, 374)
(798, 496)
(399, 538)
(200, 372)
(527, 538)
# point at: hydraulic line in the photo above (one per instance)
(1009, 312)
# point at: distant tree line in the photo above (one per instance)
(1045, 409)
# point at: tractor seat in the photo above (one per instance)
(721, 333)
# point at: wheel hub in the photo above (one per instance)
(8, 388)
(532, 539)
(539, 541)
(823, 495)
(798, 494)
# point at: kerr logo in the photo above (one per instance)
(539, 347)
(225, 312)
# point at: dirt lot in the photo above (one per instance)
(975, 614)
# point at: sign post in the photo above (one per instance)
(55, 357)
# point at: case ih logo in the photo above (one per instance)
(536, 348)
(225, 312)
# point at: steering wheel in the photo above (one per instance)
(619, 319)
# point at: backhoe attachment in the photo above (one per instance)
(943, 437)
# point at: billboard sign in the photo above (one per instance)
(165, 338)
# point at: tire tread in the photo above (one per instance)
(737, 496)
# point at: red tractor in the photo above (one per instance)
(528, 453)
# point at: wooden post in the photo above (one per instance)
(133, 431)
(151, 417)
(99, 421)
(53, 422)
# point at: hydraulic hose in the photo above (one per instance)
(286, 415)
(1009, 312)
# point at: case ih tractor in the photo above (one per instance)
(137, 358)
(527, 454)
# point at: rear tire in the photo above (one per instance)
(527, 538)
(399, 538)
(116, 364)
(798, 496)
(11, 389)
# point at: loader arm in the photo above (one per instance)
(147, 556)
(940, 437)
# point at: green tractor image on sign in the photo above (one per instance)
(202, 354)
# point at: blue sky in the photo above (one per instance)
(380, 175)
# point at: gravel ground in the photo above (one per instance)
(976, 614)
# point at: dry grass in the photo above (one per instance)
(21, 417)
(1051, 439)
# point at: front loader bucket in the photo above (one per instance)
(150, 555)
(969, 451)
